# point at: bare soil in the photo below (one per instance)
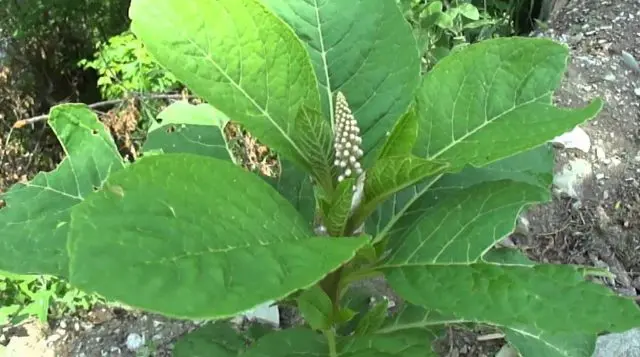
(601, 229)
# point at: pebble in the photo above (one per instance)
(569, 180)
(574, 139)
(600, 155)
(134, 342)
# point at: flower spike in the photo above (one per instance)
(347, 140)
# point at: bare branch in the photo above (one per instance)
(23, 122)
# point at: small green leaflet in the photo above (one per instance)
(373, 319)
(35, 222)
(316, 308)
(392, 174)
(198, 230)
(247, 63)
(337, 211)
(403, 136)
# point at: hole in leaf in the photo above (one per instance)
(95, 188)
(94, 132)
(171, 129)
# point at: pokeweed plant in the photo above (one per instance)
(384, 172)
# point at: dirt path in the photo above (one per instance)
(601, 225)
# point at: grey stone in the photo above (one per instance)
(626, 344)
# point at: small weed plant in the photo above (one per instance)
(39, 296)
(445, 27)
(384, 172)
(124, 66)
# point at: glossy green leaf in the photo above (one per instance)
(494, 101)
(35, 221)
(403, 136)
(200, 231)
(244, 61)
(186, 128)
(554, 298)
(373, 59)
(316, 308)
(217, 339)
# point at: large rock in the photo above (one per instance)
(626, 344)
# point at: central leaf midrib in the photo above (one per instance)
(325, 65)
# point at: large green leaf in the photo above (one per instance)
(493, 100)
(363, 48)
(192, 236)
(188, 128)
(451, 225)
(530, 340)
(35, 222)
(554, 298)
(247, 63)
(199, 129)
(533, 167)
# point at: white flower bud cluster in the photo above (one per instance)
(347, 140)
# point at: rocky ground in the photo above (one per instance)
(594, 218)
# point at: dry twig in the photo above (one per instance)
(23, 122)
